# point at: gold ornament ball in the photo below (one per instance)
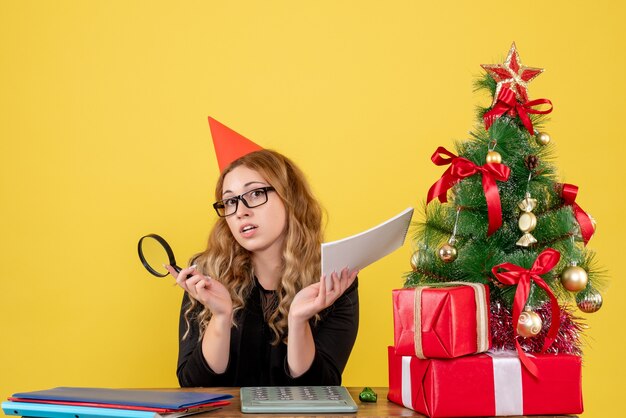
(527, 222)
(543, 138)
(447, 253)
(574, 278)
(529, 324)
(493, 157)
(414, 260)
(589, 302)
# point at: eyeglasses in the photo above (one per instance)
(251, 199)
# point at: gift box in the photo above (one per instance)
(441, 322)
(491, 384)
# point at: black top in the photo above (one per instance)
(254, 361)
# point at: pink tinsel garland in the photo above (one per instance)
(567, 341)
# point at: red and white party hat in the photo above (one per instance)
(229, 145)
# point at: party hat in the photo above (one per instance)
(229, 145)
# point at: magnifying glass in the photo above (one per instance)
(154, 252)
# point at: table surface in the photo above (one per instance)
(381, 408)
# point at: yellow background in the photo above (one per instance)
(103, 138)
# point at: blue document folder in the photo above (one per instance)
(149, 398)
(40, 410)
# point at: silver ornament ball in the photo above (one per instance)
(589, 301)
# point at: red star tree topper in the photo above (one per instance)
(512, 74)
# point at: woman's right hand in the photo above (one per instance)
(211, 293)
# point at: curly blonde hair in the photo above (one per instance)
(231, 264)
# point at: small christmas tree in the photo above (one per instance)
(499, 216)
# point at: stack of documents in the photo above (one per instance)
(69, 402)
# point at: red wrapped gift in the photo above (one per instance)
(446, 321)
(491, 384)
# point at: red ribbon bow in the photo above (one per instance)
(514, 274)
(461, 168)
(568, 193)
(507, 102)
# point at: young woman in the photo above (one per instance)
(255, 311)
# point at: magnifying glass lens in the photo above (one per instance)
(155, 255)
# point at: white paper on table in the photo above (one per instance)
(359, 251)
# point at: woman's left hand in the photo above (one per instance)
(314, 298)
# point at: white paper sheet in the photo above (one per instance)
(360, 250)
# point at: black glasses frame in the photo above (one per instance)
(220, 204)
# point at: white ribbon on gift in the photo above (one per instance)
(407, 398)
(507, 382)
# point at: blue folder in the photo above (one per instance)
(149, 398)
(28, 409)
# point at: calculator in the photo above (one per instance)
(298, 399)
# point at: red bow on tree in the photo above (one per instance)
(507, 103)
(461, 168)
(568, 193)
(514, 274)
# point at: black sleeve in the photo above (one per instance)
(334, 336)
(192, 369)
